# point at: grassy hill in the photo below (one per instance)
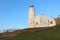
(52, 33)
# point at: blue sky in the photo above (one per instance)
(14, 13)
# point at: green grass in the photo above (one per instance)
(52, 33)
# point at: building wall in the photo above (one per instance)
(42, 21)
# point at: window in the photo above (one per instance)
(36, 23)
(51, 22)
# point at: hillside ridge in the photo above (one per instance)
(8, 35)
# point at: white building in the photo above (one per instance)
(40, 20)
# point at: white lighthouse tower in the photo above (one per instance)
(31, 16)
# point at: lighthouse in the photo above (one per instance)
(39, 20)
(31, 16)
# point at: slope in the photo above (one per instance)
(52, 33)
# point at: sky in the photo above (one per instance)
(14, 13)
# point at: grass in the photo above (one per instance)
(52, 33)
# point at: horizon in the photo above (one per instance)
(14, 13)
